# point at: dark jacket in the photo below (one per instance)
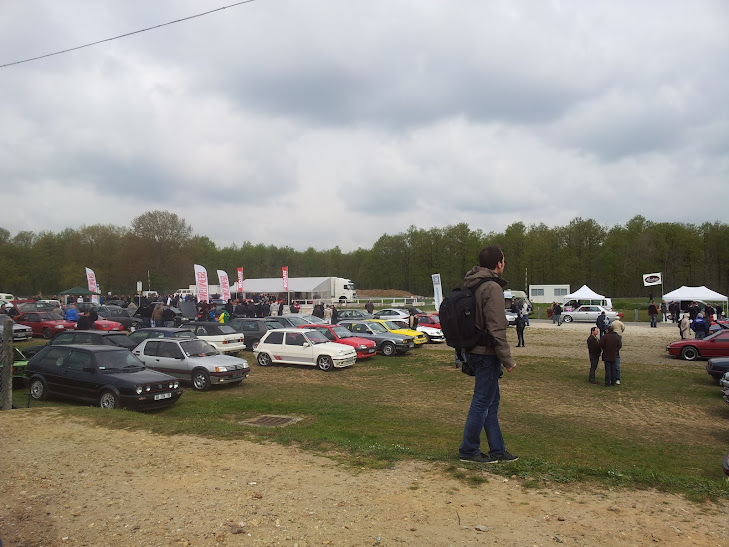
(593, 346)
(490, 299)
(610, 345)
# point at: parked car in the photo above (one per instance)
(192, 359)
(86, 337)
(410, 309)
(20, 362)
(160, 332)
(429, 320)
(714, 345)
(44, 323)
(589, 314)
(341, 335)
(717, 367)
(224, 338)
(392, 313)
(354, 315)
(434, 335)
(286, 321)
(303, 347)
(252, 329)
(108, 325)
(120, 315)
(724, 381)
(388, 343)
(21, 333)
(511, 317)
(418, 337)
(106, 376)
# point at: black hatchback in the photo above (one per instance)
(106, 376)
(96, 337)
(252, 329)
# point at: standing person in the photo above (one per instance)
(280, 307)
(168, 317)
(593, 348)
(71, 312)
(93, 317)
(224, 316)
(328, 314)
(610, 346)
(557, 313)
(619, 329)
(413, 320)
(335, 315)
(83, 321)
(602, 323)
(157, 315)
(486, 360)
(684, 327)
(370, 307)
(664, 312)
(520, 324)
(653, 312)
(699, 327)
(525, 312)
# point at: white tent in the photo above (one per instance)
(694, 293)
(583, 293)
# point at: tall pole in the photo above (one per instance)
(6, 375)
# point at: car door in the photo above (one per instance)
(80, 378)
(147, 353)
(718, 346)
(297, 349)
(33, 321)
(170, 359)
(50, 367)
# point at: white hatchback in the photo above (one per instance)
(303, 347)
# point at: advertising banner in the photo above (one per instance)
(285, 275)
(437, 290)
(93, 286)
(224, 284)
(201, 283)
(652, 279)
(240, 280)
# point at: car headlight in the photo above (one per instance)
(361, 346)
(221, 369)
(147, 388)
(139, 390)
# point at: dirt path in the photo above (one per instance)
(71, 483)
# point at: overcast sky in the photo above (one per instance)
(322, 123)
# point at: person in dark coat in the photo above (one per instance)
(83, 321)
(610, 345)
(335, 315)
(602, 323)
(93, 317)
(593, 348)
(520, 324)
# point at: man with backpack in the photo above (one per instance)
(486, 359)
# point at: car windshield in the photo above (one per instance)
(26, 306)
(48, 316)
(377, 328)
(341, 332)
(391, 326)
(197, 348)
(296, 321)
(121, 339)
(315, 337)
(117, 360)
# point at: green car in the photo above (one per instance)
(19, 364)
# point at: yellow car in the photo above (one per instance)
(418, 337)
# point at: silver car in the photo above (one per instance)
(588, 314)
(192, 359)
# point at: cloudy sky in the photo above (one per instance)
(329, 122)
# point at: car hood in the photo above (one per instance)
(221, 361)
(335, 347)
(144, 376)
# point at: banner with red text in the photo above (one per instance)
(240, 280)
(201, 283)
(285, 275)
(93, 286)
(224, 284)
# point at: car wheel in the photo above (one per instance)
(388, 348)
(109, 399)
(325, 363)
(252, 344)
(47, 333)
(690, 353)
(38, 389)
(567, 319)
(264, 359)
(200, 380)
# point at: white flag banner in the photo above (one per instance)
(224, 284)
(201, 283)
(437, 290)
(93, 286)
(652, 279)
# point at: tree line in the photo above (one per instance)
(159, 249)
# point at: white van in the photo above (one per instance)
(570, 305)
(6, 296)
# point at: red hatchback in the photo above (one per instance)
(341, 335)
(429, 320)
(44, 323)
(106, 325)
(716, 345)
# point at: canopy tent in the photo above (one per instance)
(583, 293)
(78, 291)
(694, 293)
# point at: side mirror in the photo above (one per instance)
(306, 344)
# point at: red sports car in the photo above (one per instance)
(429, 320)
(341, 335)
(105, 324)
(716, 345)
(44, 323)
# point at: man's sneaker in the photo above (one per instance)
(506, 457)
(617, 382)
(479, 458)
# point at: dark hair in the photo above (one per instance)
(593, 329)
(490, 256)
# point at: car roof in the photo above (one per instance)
(99, 332)
(91, 347)
(289, 329)
(164, 329)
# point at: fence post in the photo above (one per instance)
(6, 358)
(636, 316)
(539, 312)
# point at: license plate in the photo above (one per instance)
(162, 396)
(371, 350)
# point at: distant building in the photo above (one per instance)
(546, 294)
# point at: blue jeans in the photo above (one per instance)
(617, 368)
(484, 411)
(653, 320)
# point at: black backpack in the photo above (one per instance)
(458, 319)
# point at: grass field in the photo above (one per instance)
(665, 427)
